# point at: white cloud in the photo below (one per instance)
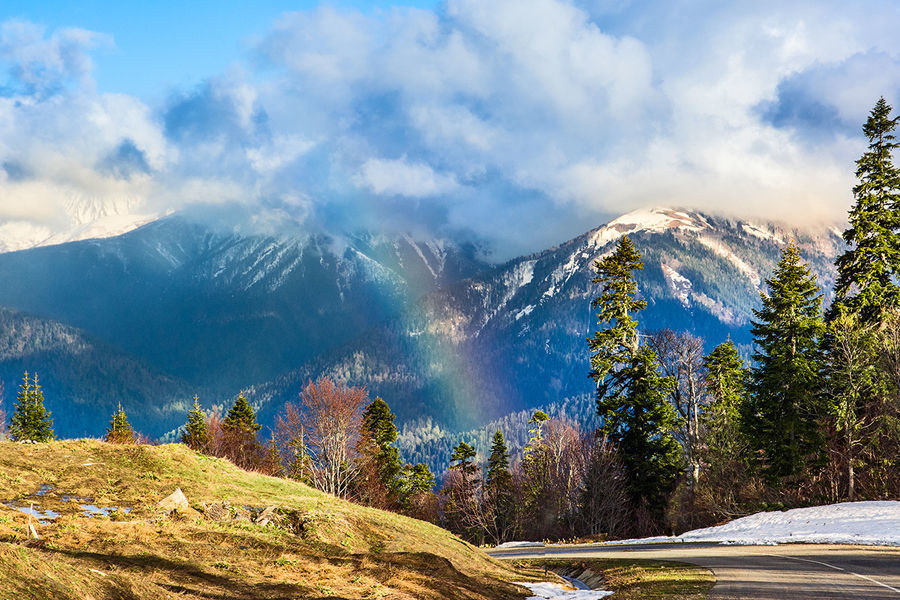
(402, 178)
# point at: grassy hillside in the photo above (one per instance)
(321, 547)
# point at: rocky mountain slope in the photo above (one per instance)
(427, 324)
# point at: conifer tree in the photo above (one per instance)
(631, 395)
(868, 269)
(119, 430)
(727, 380)
(463, 459)
(31, 420)
(535, 433)
(498, 491)
(785, 407)
(239, 430)
(616, 341)
(241, 416)
(196, 434)
(418, 479)
(380, 435)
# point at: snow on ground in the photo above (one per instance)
(521, 545)
(865, 523)
(554, 591)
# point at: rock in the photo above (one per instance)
(217, 511)
(174, 502)
(267, 516)
(242, 514)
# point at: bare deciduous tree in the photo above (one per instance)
(681, 357)
(326, 426)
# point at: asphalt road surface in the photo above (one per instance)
(792, 571)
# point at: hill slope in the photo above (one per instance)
(320, 547)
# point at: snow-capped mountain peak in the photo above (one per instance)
(655, 220)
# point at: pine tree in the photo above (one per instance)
(239, 441)
(535, 434)
(640, 421)
(727, 380)
(196, 434)
(631, 395)
(498, 490)
(418, 479)
(241, 416)
(868, 269)
(616, 341)
(784, 410)
(381, 433)
(31, 420)
(119, 430)
(464, 458)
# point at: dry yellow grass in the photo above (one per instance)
(326, 548)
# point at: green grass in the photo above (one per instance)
(637, 579)
(324, 548)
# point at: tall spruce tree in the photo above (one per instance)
(378, 424)
(119, 430)
(631, 395)
(196, 434)
(498, 490)
(868, 269)
(31, 420)
(727, 380)
(241, 416)
(785, 408)
(615, 343)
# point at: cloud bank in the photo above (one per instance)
(523, 122)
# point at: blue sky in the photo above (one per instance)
(520, 122)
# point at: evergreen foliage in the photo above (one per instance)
(639, 421)
(616, 341)
(727, 381)
(241, 416)
(418, 479)
(119, 430)
(463, 459)
(31, 420)
(785, 407)
(378, 426)
(868, 269)
(631, 395)
(196, 434)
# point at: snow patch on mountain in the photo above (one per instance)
(725, 252)
(680, 285)
(82, 219)
(762, 232)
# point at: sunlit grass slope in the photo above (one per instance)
(323, 548)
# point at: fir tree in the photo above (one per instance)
(535, 434)
(31, 420)
(463, 459)
(868, 269)
(418, 479)
(241, 416)
(727, 381)
(498, 491)
(639, 420)
(196, 434)
(631, 395)
(784, 410)
(616, 341)
(239, 441)
(378, 426)
(119, 430)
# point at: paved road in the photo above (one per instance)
(795, 571)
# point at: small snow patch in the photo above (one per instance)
(554, 591)
(521, 545)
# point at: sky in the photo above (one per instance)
(521, 123)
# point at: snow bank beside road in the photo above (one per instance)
(521, 545)
(864, 523)
(868, 523)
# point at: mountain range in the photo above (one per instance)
(177, 307)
